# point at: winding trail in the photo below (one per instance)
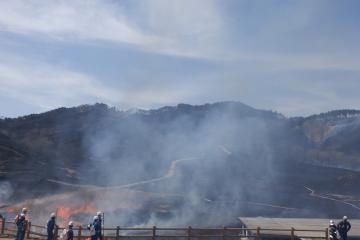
(169, 174)
(313, 194)
(11, 150)
(254, 203)
(272, 206)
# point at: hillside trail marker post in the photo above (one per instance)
(56, 232)
(258, 233)
(154, 233)
(79, 232)
(224, 233)
(102, 237)
(118, 233)
(3, 226)
(189, 233)
(28, 230)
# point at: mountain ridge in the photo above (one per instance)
(233, 143)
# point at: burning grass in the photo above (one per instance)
(80, 206)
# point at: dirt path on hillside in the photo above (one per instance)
(169, 174)
(313, 194)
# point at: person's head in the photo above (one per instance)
(345, 218)
(24, 210)
(71, 224)
(95, 218)
(332, 223)
(52, 215)
(99, 213)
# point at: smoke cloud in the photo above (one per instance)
(177, 166)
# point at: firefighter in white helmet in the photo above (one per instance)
(344, 227)
(50, 226)
(94, 228)
(332, 230)
(21, 224)
(100, 223)
(68, 233)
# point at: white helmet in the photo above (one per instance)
(332, 222)
(96, 218)
(52, 215)
(24, 210)
(99, 213)
(71, 224)
(345, 217)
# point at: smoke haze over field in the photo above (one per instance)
(174, 166)
(206, 145)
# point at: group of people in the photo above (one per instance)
(340, 230)
(95, 227)
(336, 231)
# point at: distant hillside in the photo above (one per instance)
(236, 152)
(334, 137)
(47, 145)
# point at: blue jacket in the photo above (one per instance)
(97, 226)
(51, 224)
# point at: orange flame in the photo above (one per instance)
(11, 209)
(65, 213)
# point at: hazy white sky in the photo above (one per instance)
(296, 57)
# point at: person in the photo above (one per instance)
(21, 223)
(51, 226)
(99, 232)
(94, 228)
(332, 230)
(344, 227)
(68, 234)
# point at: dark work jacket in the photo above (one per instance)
(343, 227)
(97, 226)
(51, 225)
(332, 231)
(21, 224)
(70, 234)
(100, 222)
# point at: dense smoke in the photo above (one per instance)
(174, 166)
(5, 191)
(217, 151)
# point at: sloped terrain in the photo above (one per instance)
(184, 163)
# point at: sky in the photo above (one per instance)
(294, 57)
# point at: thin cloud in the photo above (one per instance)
(173, 30)
(46, 86)
(62, 20)
(241, 48)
